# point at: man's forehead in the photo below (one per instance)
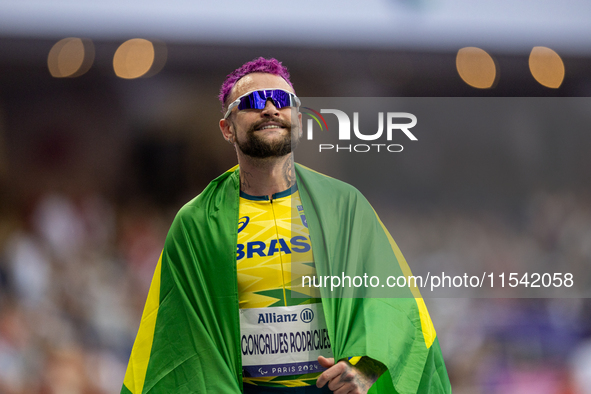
(256, 81)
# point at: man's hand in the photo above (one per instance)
(345, 378)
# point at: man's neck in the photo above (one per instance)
(265, 177)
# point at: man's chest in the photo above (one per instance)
(273, 249)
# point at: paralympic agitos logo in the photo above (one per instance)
(394, 124)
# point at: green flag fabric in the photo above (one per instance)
(189, 336)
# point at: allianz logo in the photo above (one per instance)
(306, 315)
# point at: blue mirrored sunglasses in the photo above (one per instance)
(258, 100)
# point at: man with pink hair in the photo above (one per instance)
(263, 142)
(224, 313)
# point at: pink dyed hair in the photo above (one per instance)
(260, 65)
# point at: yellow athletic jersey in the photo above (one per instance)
(273, 238)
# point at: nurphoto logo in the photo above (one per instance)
(394, 124)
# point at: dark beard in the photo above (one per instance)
(258, 147)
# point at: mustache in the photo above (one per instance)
(285, 124)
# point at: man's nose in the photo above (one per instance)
(270, 109)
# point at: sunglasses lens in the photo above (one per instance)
(258, 99)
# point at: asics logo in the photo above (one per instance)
(242, 222)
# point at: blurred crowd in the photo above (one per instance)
(75, 272)
(502, 344)
(74, 275)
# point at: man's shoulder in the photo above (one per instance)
(329, 185)
(214, 196)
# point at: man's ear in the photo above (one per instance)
(296, 124)
(226, 129)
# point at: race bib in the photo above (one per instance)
(285, 340)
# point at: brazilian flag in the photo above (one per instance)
(189, 336)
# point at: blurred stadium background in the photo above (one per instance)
(108, 124)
